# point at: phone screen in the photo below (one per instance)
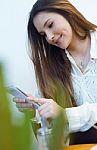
(16, 92)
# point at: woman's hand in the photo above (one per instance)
(22, 106)
(48, 107)
(25, 106)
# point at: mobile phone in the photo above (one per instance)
(16, 92)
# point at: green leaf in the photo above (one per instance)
(12, 136)
(59, 132)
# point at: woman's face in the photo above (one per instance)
(54, 27)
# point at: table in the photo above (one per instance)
(80, 147)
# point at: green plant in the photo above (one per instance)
(14, 137)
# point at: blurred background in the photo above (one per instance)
(18, 68)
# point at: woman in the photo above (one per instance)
(64, 51)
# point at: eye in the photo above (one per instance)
(50, 25)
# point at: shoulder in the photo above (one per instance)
(94, 33)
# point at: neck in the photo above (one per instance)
(80, 51)
(79, 47)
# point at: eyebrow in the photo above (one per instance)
(46, 22)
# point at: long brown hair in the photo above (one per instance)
(51, 63)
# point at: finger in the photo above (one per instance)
(44, 111)
(42, 100)
(24, 105)
(43, 106)
(17, 100)
(38, 100)
(32, 98)
(46, 114)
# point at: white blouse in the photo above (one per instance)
(84, 116)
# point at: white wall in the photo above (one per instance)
(88, 8)
(13, 43)
(13, 39)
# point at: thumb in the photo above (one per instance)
(31, 98)
(41, 101)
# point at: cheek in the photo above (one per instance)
(69, 33)
(69, 38)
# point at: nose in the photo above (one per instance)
(50, 37)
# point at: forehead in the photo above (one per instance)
(41, 18)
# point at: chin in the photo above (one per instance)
(60, 47)
(63, 47)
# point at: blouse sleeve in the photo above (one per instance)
(82, 118)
